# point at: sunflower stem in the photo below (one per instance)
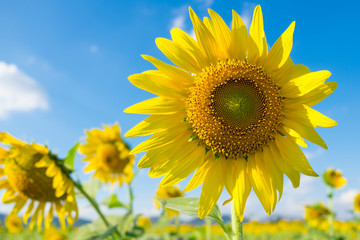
(237, 226)
(208, 229)
(95, 206)
(330, 195)
(131, 197)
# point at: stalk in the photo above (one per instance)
(237, 226)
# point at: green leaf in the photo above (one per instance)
(91, 187)
(189, 206)
(136, 232)
(112, 202)
(69, 160)
(110, 231)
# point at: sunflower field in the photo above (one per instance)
(225, 113)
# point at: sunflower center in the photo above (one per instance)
(110, 157)
(29, 180)
(234, 108)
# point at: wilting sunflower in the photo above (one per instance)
(231, 110)
(168, 192)
(334, 178)
(30, 174)
(108, 155)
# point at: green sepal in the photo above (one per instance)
(69, 160)
(113, 202)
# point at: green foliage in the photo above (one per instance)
(69, 160)
(91, 187)
(189, 206)
(113, 202)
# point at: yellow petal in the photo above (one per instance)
(18, 206)
(157, 106)
(204, 37)
(305, 131)
(156, 82)
(49, 217)
(40, 217)
(293, 155)
(240, 37)
(200, 174)
(178, 55)
(61, 214)
(274, 172)
(289, 171)
(315, 96)
(212, 188)
(296, 137)
(222, 33)
(6, 138)
(165, 163)
(9, 196)
(155, 123)
(282, 77)
(280, 51)
(309, 116)
(28, 212)
(183, 167)
(242, 187)
(258, 48)
(171, 71)
(259, 180)
(3, 153)
(35, 215)
(161, 139)
(179, 36)
(306, 83)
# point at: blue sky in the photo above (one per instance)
(64, 68)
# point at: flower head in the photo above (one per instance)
(333, 178)
(53, 233)
(168, 192)
(13, 224)
(316, 215)
(357, 203)
(108, 155)
(144, 222)
(231, 110)
(31, 174)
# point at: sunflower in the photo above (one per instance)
(108, 155)
(317, 215)
(144, 222)
(30, 173)
(333, 178)
(13, 224)
(231, 110)
(53, 233)
(357, 203)
(168, 192)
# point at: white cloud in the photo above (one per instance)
(348, 196)
(206, 3)
(94, 48)
(19, 92)
(314, 154)
(180, 14)
(178, 22)
(246, 13)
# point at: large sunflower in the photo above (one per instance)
(231, 110)
(30, 174)
(108, 155)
